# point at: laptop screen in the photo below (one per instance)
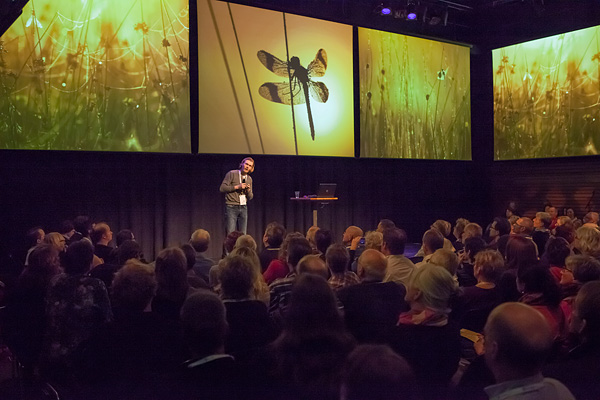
(326, 190)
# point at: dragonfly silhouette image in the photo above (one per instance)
(299, 84)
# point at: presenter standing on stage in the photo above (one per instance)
(237, 186)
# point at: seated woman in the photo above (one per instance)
(557, 251)
(278, 268)
(520, 253)
(425, 336)
(172, 283)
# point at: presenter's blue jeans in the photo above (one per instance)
(236, 217)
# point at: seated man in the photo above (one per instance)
(337, 259)
(101, 236)
(200, 240)
(517, 342)
(371, 308)
(432, 241)
(399, 268)
(272, 240)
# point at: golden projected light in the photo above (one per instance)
(273, 83)
(96, 75)
(415, 97)
(546, 97)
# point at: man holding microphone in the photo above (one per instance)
(237, 186)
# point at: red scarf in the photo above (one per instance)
(427, 317)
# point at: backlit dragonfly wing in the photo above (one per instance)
(318, 91)
(279, 92)
(318, 66)
(274, 64)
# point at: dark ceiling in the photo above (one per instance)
(482, 23)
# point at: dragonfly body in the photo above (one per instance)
(299, 87)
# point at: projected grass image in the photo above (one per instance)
(106, 75)
(546, 97)
(414, 97)
(273, 83)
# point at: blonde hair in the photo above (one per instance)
(374, 240)
(260, 290)
(588, 241)
(436, 285)
(56, 240)
(245, 241)
(447, 259)
(490, 264)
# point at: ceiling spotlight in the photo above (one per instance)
(383, 9)
(411, 10)
(386, 11)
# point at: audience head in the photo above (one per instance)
(511, 209)
(517, 341)
(584, 268)
(432, 240)
(236, 277)
(571, 213)
(171, 274)
(127, 250)
(489, 265)
(523, 226)
(323, 239)
(537, 279)
(542, 220)
(123, 235)
(83, 225)
(444, 227)
(394, 241)
(557, 250)
(133, 286)
(204, 323)
(78, 258)
(552, 211)
(459, 228)
(101, 233)
(520, 252)
(474, 245)
(350, 233)
(372, 265)
(591, 218)
(297, 248)
(566, 231)
(376, 372)
(283, 251)
(44, 262)
(230, 240)
(310, 235)
(585, 319)
(35, 236)
(57, 240)
(588, 241)
(373, 240)
(245, 241)
(274, 234)
(431, 287)
(190, 255)
(446, 259)
(385, 224)
(564, 220)
(501, 226)
(66, 228)
(337, 258)
(200, 240)
(471, 230)
(312, 264)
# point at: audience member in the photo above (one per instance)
(557, 251)
(246, 241)
(350, 234)
(399, 268)
(457, 232)
(465, 275)
(371, 308)
(106, 272)
(279, 268)
(587, 241)
(124, 235)
(517, 342)
(313, 264)
(337, 259)
(471, 230)
(447, 259)
(445, 228)
(57, 241)
(385, 224)
(35, 236)
(523, 227)
(229, 242)
(82, 226)
(67, 230)
(172, 284)
(272, 240)
(323, 239)
(432, 241)
(498, 228)
(591, 219)
(520, 253)
(310, 236)
(541, 233)
(190, 257)
(553, 213)
(101, 236)
(200, 241)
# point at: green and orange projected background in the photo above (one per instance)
(246, 92)
(96, 75)
(546, 97)
(415, 99)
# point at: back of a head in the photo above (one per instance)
(557, 250)
(246, 241)
(472, 229)
(82, 224)
(190, 255)
(236, 277)
(588, 241)
(490, 265)
(442, 226)
(275, 233)
(436, 284)
(459, 227)
(474, 245)
(337, 258)
(376, 372)
(395, 240)
(502, 226)
(520, 252)
(55, 239)
(385, 224)
(520, 338)
(447, 259)
(34, 236)
(44, 261)
(79, 256)
(66, 227)
(297, 248)
(584, 268)
(229, 241)
(591, 218)
(312, 264)
(310, 234)
(544, 218)
(537, 279)
(373, 240)
(373, 264)
(171, 274)
(433, 240)
(99, 230)
(587, 308)
(203, 320)
(127, 250)
(566, 232)
(323, 239)
(313, 307)
(123, 235)
(200, 240)
(133, 286)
